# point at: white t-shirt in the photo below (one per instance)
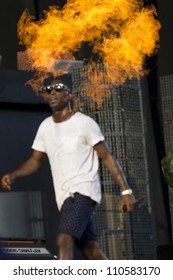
(73, 161)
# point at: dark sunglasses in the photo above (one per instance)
(56, 87)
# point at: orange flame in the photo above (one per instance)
(122, 32)
(95, 86)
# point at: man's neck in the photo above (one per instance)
(61, 116)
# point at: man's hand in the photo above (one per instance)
(6, 181)
(127, 203)
(27, 168)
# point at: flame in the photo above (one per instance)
(94, 86)
(122, 32)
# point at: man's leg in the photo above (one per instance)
(74, 220)
(64, 244)
(92, 251)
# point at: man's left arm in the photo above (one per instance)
(117, 173)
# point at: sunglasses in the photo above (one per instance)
(56, 87)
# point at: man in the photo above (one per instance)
(73, 141)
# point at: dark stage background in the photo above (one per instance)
(29, 211)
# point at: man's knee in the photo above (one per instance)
(64, 244)
(92, 251)
(64, 240)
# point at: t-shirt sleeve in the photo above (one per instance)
(93, 132)
(38, 143)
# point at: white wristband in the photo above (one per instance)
(125, 192)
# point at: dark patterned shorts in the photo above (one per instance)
(75, 218)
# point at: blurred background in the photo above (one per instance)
(137, 122)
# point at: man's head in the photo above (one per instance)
(58, 95)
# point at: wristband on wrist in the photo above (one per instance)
(125, 192)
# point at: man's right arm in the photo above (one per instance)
(26, 169)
